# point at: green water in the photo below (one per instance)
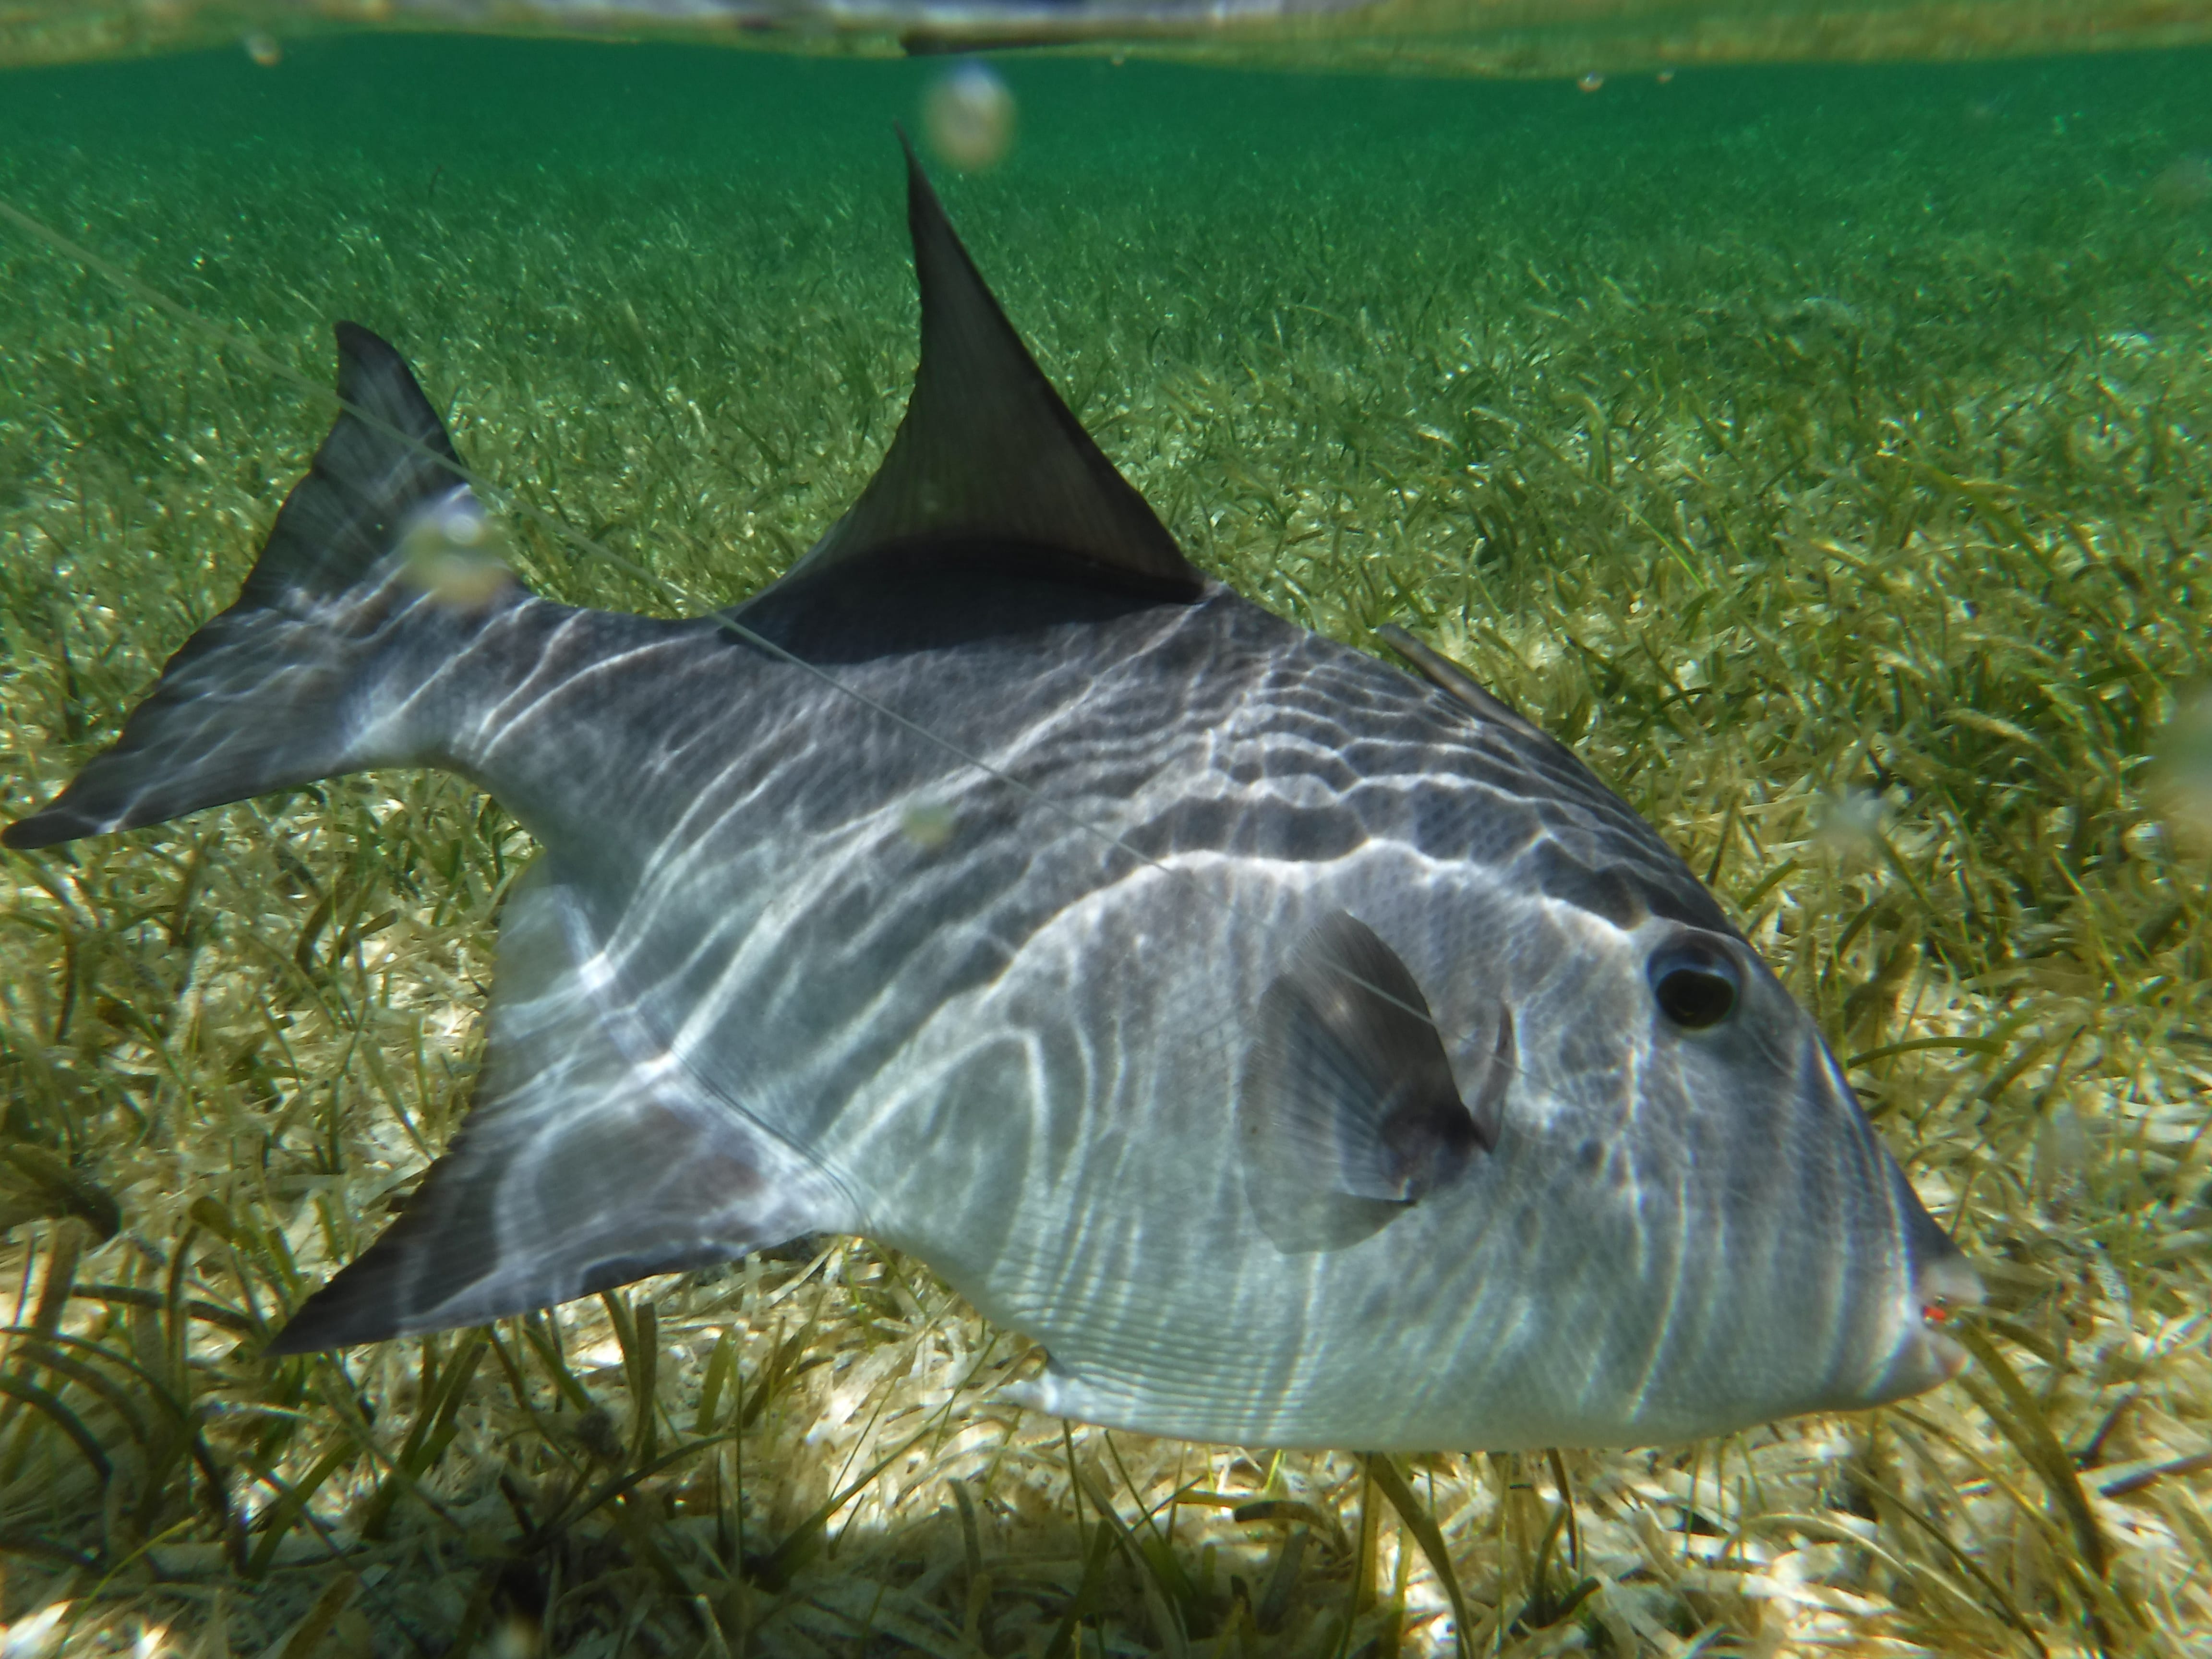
(1859, 179)
(1778, 436)
(591, 216)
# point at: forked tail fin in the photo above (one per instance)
(270, 694)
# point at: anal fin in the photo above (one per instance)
(593, 1157)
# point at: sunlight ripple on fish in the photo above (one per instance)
(1304, 1053)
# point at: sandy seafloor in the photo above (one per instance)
(1820, 450)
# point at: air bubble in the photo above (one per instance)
(968, 117)
(452, 551)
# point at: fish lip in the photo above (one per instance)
(1943, 1285)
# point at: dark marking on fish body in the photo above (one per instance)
(928, 596)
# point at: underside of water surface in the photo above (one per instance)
(1513, 38)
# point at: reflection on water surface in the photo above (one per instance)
(1433, 37)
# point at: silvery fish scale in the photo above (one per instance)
(1304, 1053)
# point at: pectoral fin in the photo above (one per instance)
(1348, 1110)
(590, 1160)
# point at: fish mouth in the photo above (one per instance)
(1943, 1287)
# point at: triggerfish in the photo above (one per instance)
(1302, 1052)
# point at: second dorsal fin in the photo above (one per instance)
(987, 454)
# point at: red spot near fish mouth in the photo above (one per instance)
(1948, 1287)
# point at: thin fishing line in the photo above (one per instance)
(514, 505)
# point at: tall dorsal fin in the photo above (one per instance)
(988, 453)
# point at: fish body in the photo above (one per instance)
(1305, 1054)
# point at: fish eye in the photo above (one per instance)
(1694, 983)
